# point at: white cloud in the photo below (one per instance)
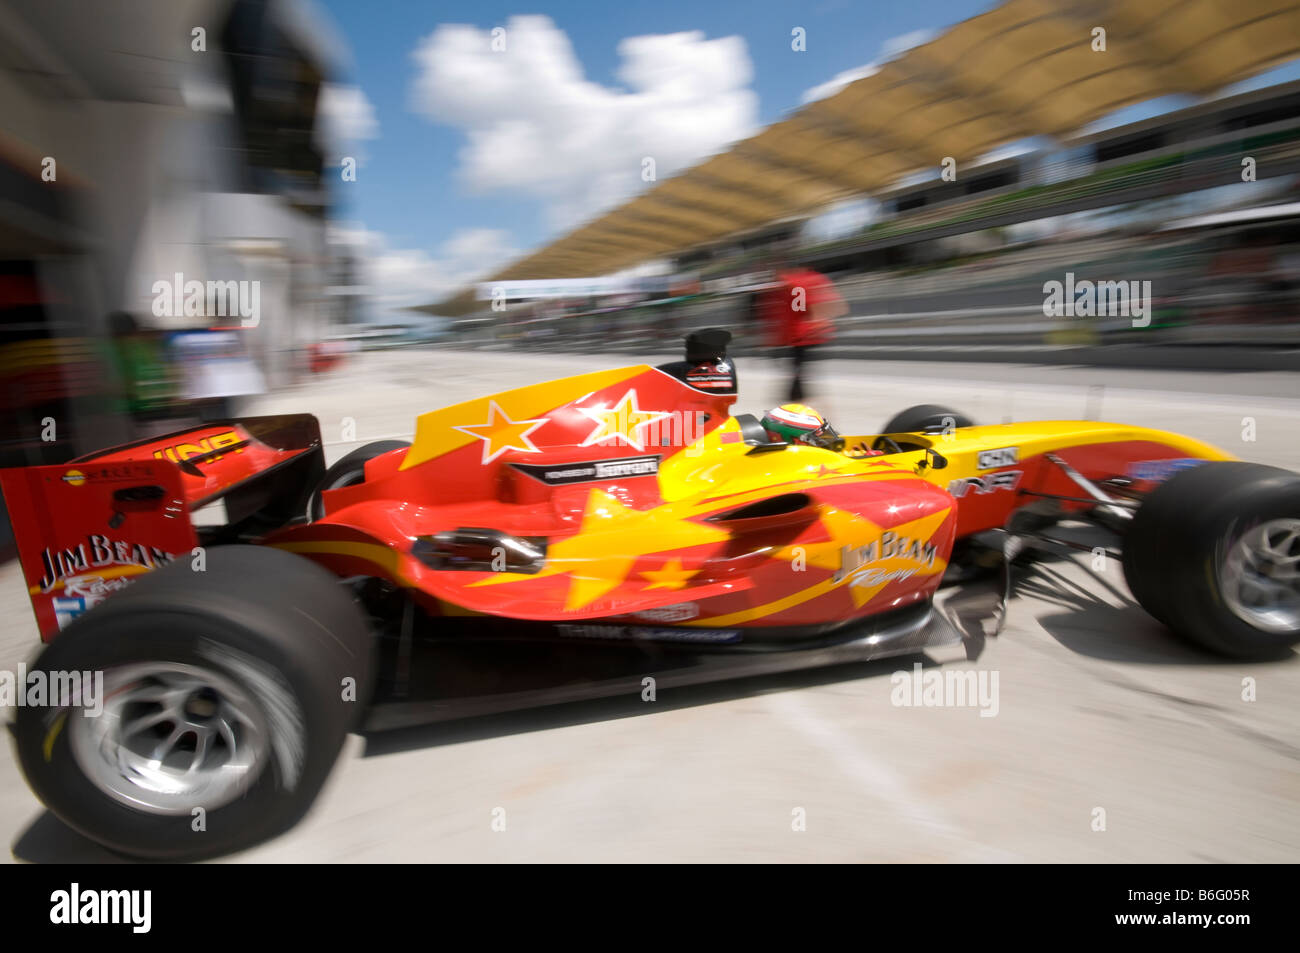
(346, 119)
(396, 278)
(839, 81)
(891, 49)
(896, 46)
(537, 126)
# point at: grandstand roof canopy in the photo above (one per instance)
(1025, 68)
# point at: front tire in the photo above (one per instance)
(224, 702)
(1214, 553)
(925, 418)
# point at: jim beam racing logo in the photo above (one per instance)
(590, 471)
(983, 485)
(856, 561)
(97, 552)
(84, 572)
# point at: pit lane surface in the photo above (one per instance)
(1098, 706)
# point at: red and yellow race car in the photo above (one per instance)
(586, 536)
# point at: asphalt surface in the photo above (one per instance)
(1098, 708)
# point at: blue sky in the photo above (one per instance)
(407, 186)
(456, 172)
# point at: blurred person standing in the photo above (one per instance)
(147, 381)
(798, 312)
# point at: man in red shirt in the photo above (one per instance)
(798, 312)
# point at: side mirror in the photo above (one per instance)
(933, 459)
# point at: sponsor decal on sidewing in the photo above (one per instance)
(889, 546)
(982, 485)
(82, 593)
(877, 577)
(589, 471)
(109, 473)
(1001, 457)
(95, 553)
(681, 612)
(1157, 471)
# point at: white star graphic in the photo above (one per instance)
(500, 433)
(620, 422)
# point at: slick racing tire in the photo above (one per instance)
(926, 417)
(1214, 554)
(349, 471)
(224, 701)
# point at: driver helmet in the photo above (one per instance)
(799, 423)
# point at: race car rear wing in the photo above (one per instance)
(85, 528)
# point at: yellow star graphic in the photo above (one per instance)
(672, 576)
(612, 537)
(620, 422)
(500, 433)
(844, 529)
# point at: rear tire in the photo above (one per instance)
(925, 418)
(246, 660)
(349, 471)
(1193, 557)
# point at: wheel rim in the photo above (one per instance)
(1260, 576)
(171, 737)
